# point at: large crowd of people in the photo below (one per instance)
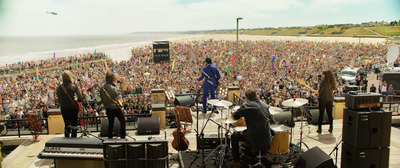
(272, 67)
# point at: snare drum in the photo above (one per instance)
(240, 121)
(280, 142)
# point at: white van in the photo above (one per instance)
(349, 74)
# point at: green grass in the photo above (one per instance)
(387, 30)
(290, 31)
(357, 31)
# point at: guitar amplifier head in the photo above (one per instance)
(362, 101)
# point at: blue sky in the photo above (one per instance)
(78, 17)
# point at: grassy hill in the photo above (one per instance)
(384, 30)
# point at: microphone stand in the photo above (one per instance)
(197, 129)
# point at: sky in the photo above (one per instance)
(91, 17)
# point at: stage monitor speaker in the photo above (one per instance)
(314, 158)
(185, 101)
(313, 116)
(365, 130)
(375, 158)
(284, 118)
(148, 126)
(104, 127)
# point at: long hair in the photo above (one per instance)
(330, 79)
(67, 76)
(111, 77)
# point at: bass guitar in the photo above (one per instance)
(309, 87)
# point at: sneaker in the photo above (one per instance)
(330, 130)
(233, 164)
(319, 131)
(204, 111)
(216, 112)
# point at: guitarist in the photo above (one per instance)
(211, 75)
(65, 93)
(111, 98)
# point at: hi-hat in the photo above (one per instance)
(275, 110)
(217, 102)
(225, 121)
(295, 102)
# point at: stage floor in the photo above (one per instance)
(25, 155)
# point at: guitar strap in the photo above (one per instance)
(108, 95)
(213, 74)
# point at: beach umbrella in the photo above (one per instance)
(146, 74)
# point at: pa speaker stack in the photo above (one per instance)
(366, 132)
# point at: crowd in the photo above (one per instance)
(258, 64)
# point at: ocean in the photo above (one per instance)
(21, 49)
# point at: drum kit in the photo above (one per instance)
(280, 144)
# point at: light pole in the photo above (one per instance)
(237, 34)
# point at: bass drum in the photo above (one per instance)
(280, 142)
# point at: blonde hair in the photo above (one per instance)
(67, 76)
(111, 77)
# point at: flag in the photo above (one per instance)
(94, 52)
(273, 62)
(54, 55)
(37, 72)
(173, 65)
(76, 64)
(309, 59)
(220, 54)
(105, 65)
(276, 44)
(335, 48)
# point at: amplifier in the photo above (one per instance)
(349, 88)
(363, 101)
(210, 142)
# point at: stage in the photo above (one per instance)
(25, 155)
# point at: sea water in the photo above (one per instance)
(118, 47)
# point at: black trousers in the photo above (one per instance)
(328, 105)
(70, 117)
(236, 137)
(111, 114)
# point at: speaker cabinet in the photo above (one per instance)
(313, 116)
(148, 125)
(365, 130)
(375, 158)
(185, 101)
(157, 96)
(104, 127)
(314, 158)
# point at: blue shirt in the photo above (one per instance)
(206, 73)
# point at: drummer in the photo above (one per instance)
(258, 132)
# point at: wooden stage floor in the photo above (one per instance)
(25, 155)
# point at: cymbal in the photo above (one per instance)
(275, 110)
(295, 102)
(217, 102)
(223, 121)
